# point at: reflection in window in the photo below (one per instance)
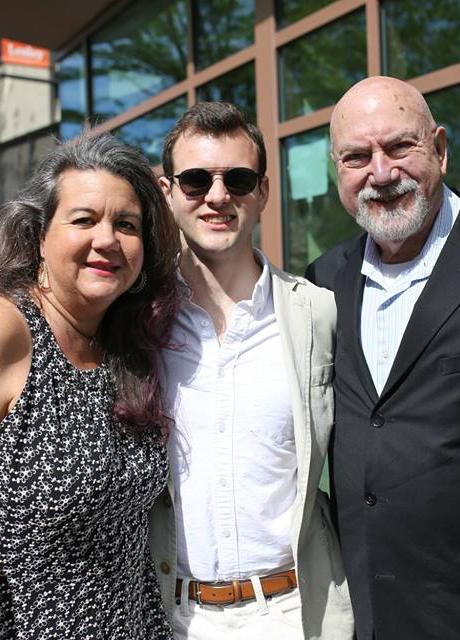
(314, 219)
(71, 91)
(316, 69)
(419, 37)
(288, 11)
(149, 131)
(138, 54)
(221, 27)
(444, 106)
(237, 86)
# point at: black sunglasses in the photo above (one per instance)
(238, 181)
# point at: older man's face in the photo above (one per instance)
(390, 161)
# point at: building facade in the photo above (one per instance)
(29, 111)
(141, 63)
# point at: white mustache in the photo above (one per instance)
(388, 191)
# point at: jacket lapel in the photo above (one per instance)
(435, 304)
(293, 315)
(349, 295)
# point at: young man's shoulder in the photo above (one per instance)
(318, 296)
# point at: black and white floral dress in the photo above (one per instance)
(74, 496)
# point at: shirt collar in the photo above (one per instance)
(262, 289)
(422, 266)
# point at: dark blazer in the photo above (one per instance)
(396, 458)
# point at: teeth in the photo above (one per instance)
(218, 219)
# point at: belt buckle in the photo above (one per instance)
(198, 593)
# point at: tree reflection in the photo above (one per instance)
(420, 36)
(138, 54)
(316, 69)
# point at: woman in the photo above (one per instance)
(88, 291)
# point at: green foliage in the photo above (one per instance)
(221, 27)
(419, 37)
(289, 11)
(316, 69)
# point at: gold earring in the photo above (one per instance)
(42, 277)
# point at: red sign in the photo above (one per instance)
(13, 52)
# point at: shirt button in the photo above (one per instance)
(221, 372)
(221, 428)
(377, 421)
(165, 568)
(226, 533)
(223, 482)
(204, 323)
(371, 499)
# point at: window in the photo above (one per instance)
(71, 92)
(419, 37)
(149, 131)
(288, 11)
(221, 27)
(444, 106)
(314, 219)
(316, 69)
(137, 55)
(236, 86)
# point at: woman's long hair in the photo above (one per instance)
(137, 325)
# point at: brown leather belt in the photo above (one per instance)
(238, 590)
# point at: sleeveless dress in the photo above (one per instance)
(74, 494)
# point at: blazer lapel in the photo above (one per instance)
(435, 304)
(349, 295)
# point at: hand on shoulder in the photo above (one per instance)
(15, 355)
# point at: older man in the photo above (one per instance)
(396, 453)
(250, 386)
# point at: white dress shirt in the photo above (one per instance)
(391, 291)
(232, 448)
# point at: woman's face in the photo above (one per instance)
(93, 248)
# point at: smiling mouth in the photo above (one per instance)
(390, 197)
(102, 266)
(217, 218)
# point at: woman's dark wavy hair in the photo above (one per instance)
(136, 325)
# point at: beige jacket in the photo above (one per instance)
(306, 319)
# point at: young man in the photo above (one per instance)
(397, 447)
(243, 538)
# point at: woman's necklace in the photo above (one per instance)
(92, 340)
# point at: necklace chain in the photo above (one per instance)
(91, 339)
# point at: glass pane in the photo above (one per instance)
(419, 37)
(237, 86)
(221, 27)
(149, 131)
(288, 11)
(316, 69)
(71, 92)
(314, 219)
(444, 106)
(138, 54)
(18, 160)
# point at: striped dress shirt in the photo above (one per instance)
(391, 291)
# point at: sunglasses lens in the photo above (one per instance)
(195, 182)
(240, 181)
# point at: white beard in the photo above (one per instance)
(392, 224)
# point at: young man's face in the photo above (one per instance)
(218, 224)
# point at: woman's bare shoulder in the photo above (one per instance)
(15, 355)
(15, 339)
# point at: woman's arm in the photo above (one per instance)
(15, 355)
